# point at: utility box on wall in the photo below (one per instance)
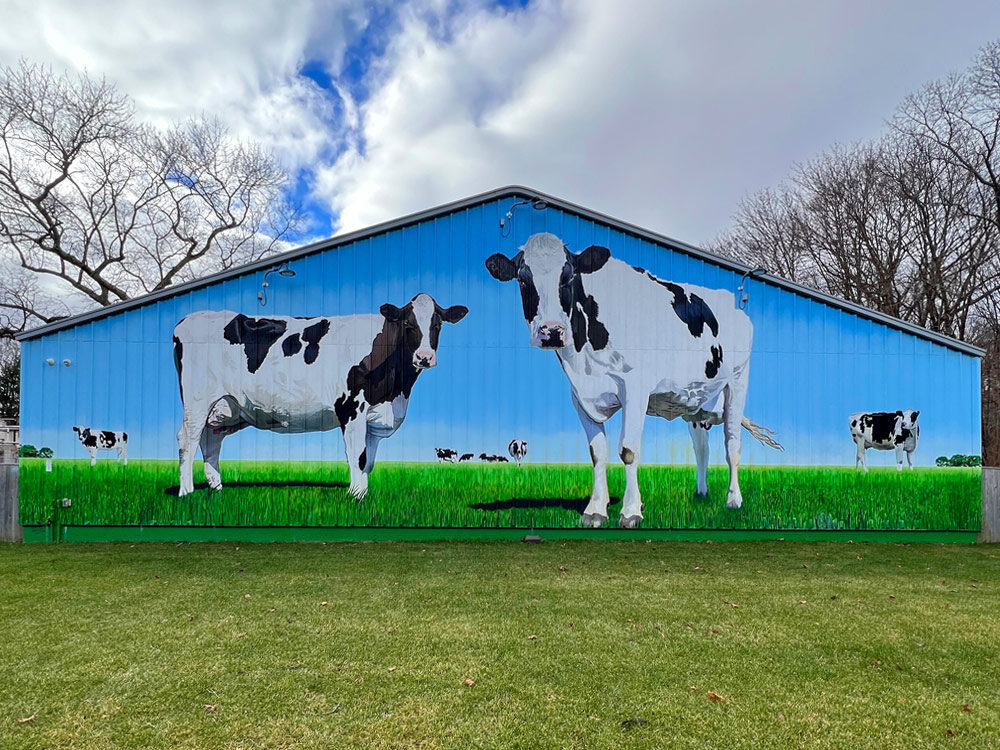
(505, 363)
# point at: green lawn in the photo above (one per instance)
(259, 493)
(370, 645)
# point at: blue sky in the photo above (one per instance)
(663, 114)
(812, 366)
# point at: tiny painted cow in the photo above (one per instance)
(885, 431)
(289, 375)
(446, 454)
(103, 440)
(518, 449)
(630, 341)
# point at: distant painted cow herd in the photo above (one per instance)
(609, 324)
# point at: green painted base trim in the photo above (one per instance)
(33, 534)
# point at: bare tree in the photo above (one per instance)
(97, 207)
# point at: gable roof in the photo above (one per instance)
(521, 193)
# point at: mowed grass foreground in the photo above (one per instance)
(499, 645)
(260, 493)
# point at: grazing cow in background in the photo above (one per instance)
(885, 431)
(103, 440)
(630, 341)
(493, 459)
(466, 457)
(286, 374)
(518, 449)
(446, 454)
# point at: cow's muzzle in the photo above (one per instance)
(552, 336)
(424, 358)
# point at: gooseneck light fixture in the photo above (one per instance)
(743, 296)
(506, 221)
(281, 270)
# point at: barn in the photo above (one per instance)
(506, 364)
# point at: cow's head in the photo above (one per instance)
(419, 324)
(551, 288)
(908, 419)
(81, 431)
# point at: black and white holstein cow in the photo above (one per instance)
(632, 342)
(518, 449)
(446, 454)
(885, 431)
(290, 375)
(103, 440)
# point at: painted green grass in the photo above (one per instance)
(825, 646)
(498, 496)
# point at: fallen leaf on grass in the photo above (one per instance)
(781, 717)
(210, 707)
(470, 683)
(392, 669)
(967, 708)
(713, 696)
(833, 597)
(324, 604)
(803, 601)
(891, 596)
(804, 565)
(949, 733)
(532, 637)
(734, 605)
(26, 719)
(635, 721)
(241, 635)
(562, 569)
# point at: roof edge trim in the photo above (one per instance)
(511, 191)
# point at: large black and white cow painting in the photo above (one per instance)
(885, 431)
(631, 342)
(292, 375)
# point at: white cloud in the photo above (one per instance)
(664, 114)
(238, 60)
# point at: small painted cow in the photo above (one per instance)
(290, 375)
(103, 440)
(518, 449)
(492, 459)
(466, 457)
(630, 341)
(446, 454)
(885, 431)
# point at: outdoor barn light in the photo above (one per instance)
(282, 270)
(536, 203)
(50, 361)
(743, 296)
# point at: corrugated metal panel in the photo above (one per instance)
(812, 366)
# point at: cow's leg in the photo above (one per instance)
(188, 437)
(355, 448)
(899, 458)
(371, 448)
(732, 415)
(859, 461)
(595, 514)
(629, 450)
(699, 437)
(909, 459)
(93, 456)
(123, 453)
(211, 447)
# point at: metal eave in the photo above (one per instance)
(509, 191)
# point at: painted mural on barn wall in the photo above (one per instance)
(555, 380)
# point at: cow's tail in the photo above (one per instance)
(762, 434)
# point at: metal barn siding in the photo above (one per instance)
(814, 362)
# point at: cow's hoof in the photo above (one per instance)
(734, 501)
(629, 522)
(357, 492)
(701, 494)
(593, 520)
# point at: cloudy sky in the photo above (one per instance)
(659, 113)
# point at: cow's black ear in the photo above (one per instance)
(913, 418)
(454, 313)
(899, 412)
(391, 313)
(501, 267)
(76, 429)
(592, 259)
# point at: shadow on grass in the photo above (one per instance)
(235, 485)
(574, 504)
